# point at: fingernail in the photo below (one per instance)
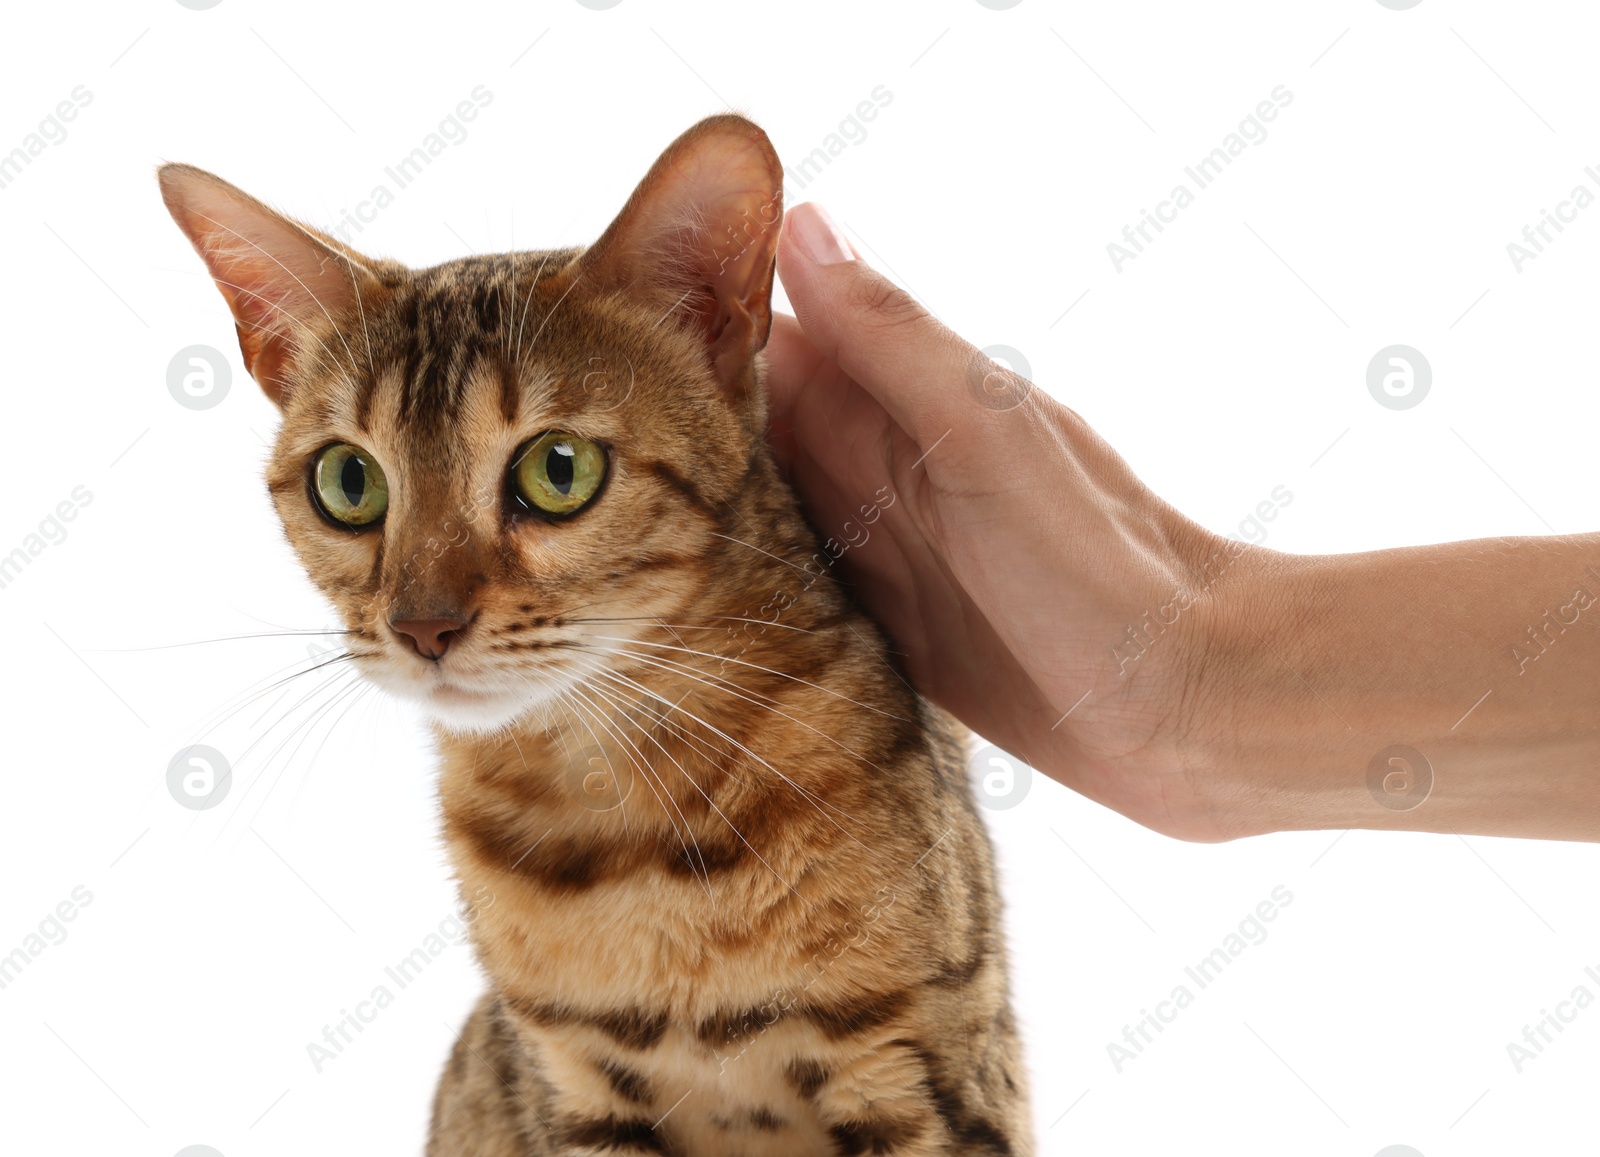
(818, 237)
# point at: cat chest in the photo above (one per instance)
(675, 952)
(640, 1004)
(746, 1098)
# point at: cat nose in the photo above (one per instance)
(430, 638)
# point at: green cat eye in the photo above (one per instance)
(350, 485)
(557, 473)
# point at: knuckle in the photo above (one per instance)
(885, 304)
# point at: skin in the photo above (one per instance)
(1024, 548)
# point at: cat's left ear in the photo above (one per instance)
(699, 237)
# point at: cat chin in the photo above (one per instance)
(477, 722)
(466, 710)
(475, 714)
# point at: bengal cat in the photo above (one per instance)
(740, 900)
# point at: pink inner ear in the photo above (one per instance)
(281, 282)
(702, 230)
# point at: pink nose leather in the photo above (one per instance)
(430, 638)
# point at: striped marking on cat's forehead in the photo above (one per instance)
(457, 322)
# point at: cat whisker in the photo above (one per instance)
(532, 290)
(651, 774)
(642, 766)
(810, 797)
(759, 667)
(574, 688)
(512, 732)
(661, 620)
(340, 658)
(327, 735)
(678, 669)
(549, 717)
(689, 672)
(815, 801)
(361, 311)
(612, 696)
(220, 639)
(222, 714)
(511, 302)
(718, 682)
(259, 619)
(306, 729)
(340, 680)
(673, 308)
(239, 762)
(567, 698)
(212, 720)
(576, 713)
(552, 313)
(773, 557)
(595, 603)
(626, 719)
(712, 753)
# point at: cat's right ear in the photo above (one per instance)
(288, 286)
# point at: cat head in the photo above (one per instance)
(480, 461)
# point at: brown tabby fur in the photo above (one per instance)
(785, 938)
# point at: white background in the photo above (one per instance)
(1226, 360)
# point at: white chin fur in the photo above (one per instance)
(479, 718)
(456, 701)
(468, 713)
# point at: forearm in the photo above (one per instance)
(1482, 658)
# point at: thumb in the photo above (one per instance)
(926, 377)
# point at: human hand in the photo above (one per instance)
(1018, 549)
(1042, 594)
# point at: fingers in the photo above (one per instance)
(794, 367)
(873, 330)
